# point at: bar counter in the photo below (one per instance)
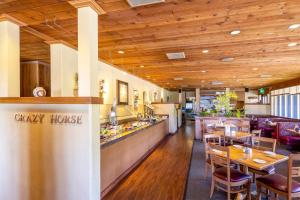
(120, 155)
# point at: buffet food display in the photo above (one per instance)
(109, 133)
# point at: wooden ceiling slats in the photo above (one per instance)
(146, 33)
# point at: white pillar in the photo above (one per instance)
(197, 100)
(64, 65)
(87, 51)
(180, 96)
(9, 59)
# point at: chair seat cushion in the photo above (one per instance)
(235, 175)
(267, 171)
(278, 182)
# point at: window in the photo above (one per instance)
(278, 105)
(289, 106)
(295, 106)
(286, 105)
(282, 105)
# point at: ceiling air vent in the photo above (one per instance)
(136, 3)
(217, 83)
(176, 56)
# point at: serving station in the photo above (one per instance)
(123, 147)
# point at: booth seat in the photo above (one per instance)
(271, 131)
(285, 136)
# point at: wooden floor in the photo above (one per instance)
(163, 174)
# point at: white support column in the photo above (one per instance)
(64, 65)
(88, 74)
(87, 51)
(197, 103)
(9, 59)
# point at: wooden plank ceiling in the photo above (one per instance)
(147, 33)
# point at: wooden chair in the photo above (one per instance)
(224, 177)
(264, 144)
(256, 133)
(216, 139)
(281, 185)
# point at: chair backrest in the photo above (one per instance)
(256, 133)
(220, 156)
(293, 171)
(210, 138)
(263, 143)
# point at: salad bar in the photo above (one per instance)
(124, 146)
(110, 134)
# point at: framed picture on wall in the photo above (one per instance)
(122, 92)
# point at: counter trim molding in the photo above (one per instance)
(51, 100)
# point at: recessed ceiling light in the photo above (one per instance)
(292, 44)
(148, 76)
(205, 51)
(203, 71)
(235, 32)
(121, 52)
(294, 26)
(255, 68)
(142, 66)
(178, 78)
(265, 75)
(227, 59)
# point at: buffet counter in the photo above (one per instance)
(121, 153)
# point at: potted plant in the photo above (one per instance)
(222, 103)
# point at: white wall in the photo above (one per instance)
(110, 75)
(49, 161)
(251, 96)
(256, 109)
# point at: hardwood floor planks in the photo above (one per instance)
(163, 174)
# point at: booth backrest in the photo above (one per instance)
(281, 129)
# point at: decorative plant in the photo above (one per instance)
(222, 103)
(238, 113)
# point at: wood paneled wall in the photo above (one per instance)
(33, 74)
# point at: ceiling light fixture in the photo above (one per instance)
(265, 76)
(203, 71)
(292, 44)
(235, 32)
(121, 52)
(178, 78)
(205, 51)
(227, 59)
(255, 69)
(294, 26)
(142, 66)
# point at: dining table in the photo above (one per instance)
(256, 159)
(237, 135)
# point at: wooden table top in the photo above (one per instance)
(238, 156)
(293, 131)
(238, 134)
